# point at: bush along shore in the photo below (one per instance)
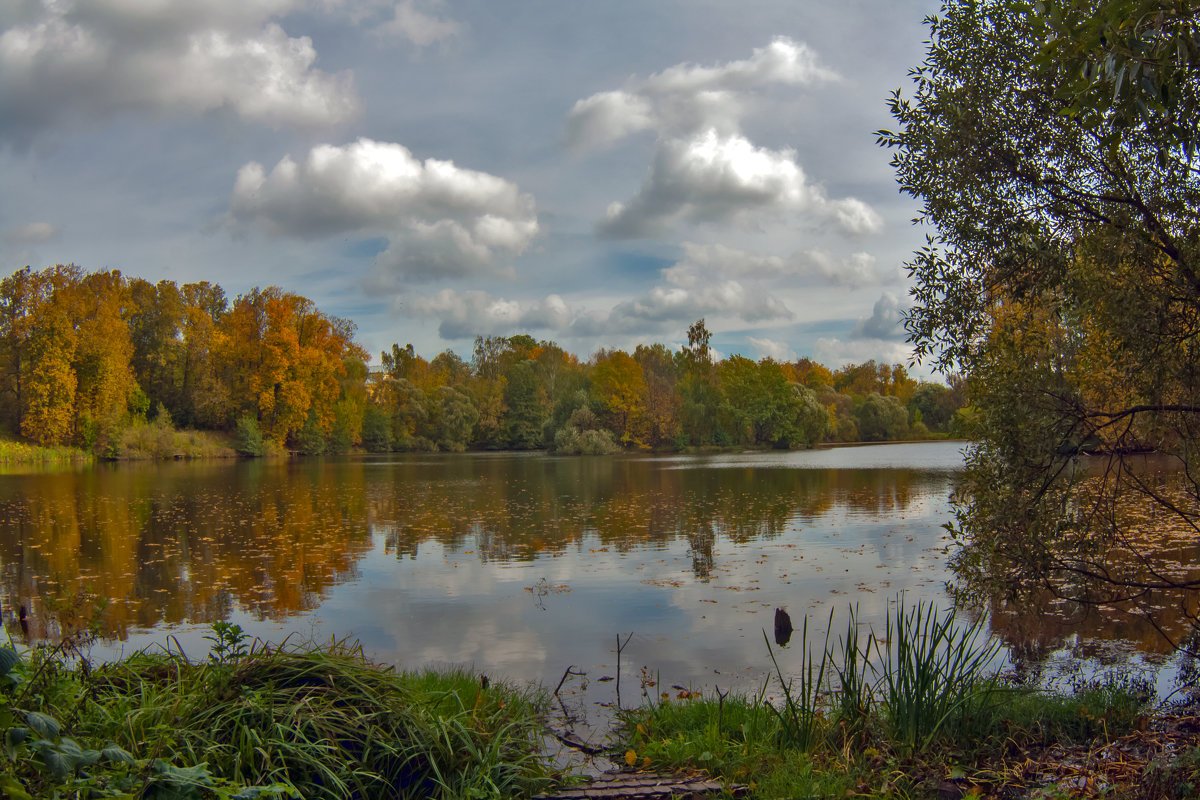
(914, 713)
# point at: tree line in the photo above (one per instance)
(84, 355)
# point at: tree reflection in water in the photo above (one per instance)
(193, 543)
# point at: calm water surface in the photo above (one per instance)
(520, 565)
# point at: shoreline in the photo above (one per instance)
(840, 735)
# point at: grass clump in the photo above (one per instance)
(933, 676)
(740, 738)
(312, 722)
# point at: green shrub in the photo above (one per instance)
(248, 439)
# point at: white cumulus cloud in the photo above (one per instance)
(441, 220)
(711, 281)
(770, 348)
(715, 178)
(687, 98)
(704, 169)
(464, 315)
(63, 60)
(835, 353)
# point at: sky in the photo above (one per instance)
(600, 174)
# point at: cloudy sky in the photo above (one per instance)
(596, 173)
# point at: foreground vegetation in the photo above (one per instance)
(916, 713)
(258, 722)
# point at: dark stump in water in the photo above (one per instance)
(783, 627)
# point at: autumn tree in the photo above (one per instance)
(285, 360)
(204, 391)
(156, 319)
(39, 317)
(48, 388)
(619, 387)
(811, 374)
(103, 354)
(20, 295)
(487, 391)
(660, 370)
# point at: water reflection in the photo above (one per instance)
(179, 543)
(520, 508)
(520, 564)
(187, 544)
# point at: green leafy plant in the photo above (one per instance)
(228, 643)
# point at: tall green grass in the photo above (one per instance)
(320, 722)
(933, 673)
(332, 724)
(800, 719)
(928, 672)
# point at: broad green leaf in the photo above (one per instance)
(192, 776)
(8, 660)
(60, 764)
(116, 755)
(45, 726)
(15, 736)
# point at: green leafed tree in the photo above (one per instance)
(1062, 276)
(1121, 64)
(881, 418)
(452, 417)
(526, 403)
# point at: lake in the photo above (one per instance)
(520, 565)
